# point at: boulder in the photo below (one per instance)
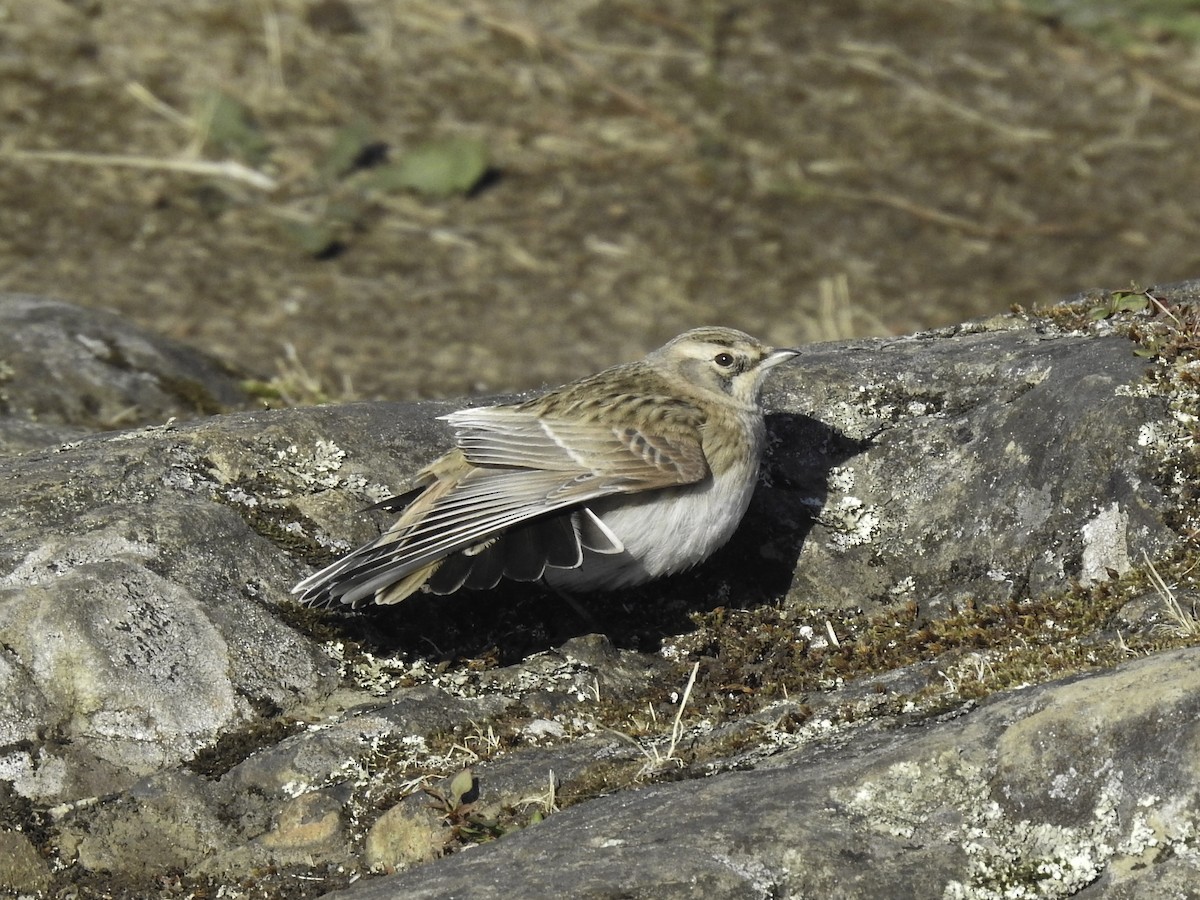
(65, 369)
(949, 652)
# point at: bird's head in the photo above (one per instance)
(722, 360)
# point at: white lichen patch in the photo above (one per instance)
(1139, 389)
(889, 802)
(315, 468)
(550, 672)
(871, 399)
(1105, 545)
(1009, 857)
(377, 675)
(1021, 858)
(761, 879)
(241, 497)
(374, 748)
(840, 480)
(850, 522)
(855, 417)
(540, 729)
(43, 775)
(1172, 440)
(296, 473)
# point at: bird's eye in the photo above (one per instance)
(724, 360)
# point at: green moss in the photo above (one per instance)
(601, 778)
(276, 520)
(191, 395)
(317, 623)
(237, 746)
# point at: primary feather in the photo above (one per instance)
(522, 467)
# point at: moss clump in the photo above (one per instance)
(236, 746)
(191, 395)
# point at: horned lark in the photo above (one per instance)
(639, 471)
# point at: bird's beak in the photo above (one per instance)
(775, 357)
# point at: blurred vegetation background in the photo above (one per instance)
(400, 198)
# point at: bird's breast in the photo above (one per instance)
(669, 530)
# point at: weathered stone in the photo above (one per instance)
(308, 826)
(1046, 790)
(997, 464)
(156, 692)
(64, 365)
(22, 870)
(129, 607)
(168, 821)
(138, 669)
(19, 435)
(400, 838)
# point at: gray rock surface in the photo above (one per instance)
(64, 369)
(1044, 792)
(962, 514)
(996, 462)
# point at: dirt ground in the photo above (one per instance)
(801, 170)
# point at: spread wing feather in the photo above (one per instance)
(512, 467)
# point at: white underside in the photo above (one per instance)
(663, 531)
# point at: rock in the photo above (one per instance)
(64, 368)
(976, 481)
(310, 825)
(22, 870)
(161, 823)
(941, 517)
(131, 604)
(399, 839)
(1044, 792)
(19, 435)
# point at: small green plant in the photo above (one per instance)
(471, 822)
(1171, 334)
(438, 168)
(228, 127)
(544, 804)
(294, 385)
(1119, 302)
(457, 806)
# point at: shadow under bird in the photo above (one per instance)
(639, 471)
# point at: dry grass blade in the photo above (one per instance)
(656, 760)
(868, 66)
(227, 169)
(839, 319)
(1183, 622)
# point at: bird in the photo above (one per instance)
(637, 472)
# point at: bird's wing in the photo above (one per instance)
(449, 517)
(522, 467)
(628, 457)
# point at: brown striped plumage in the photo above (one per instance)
(638, 471)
